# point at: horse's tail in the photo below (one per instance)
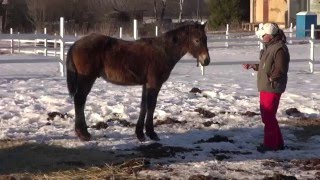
(72, 74)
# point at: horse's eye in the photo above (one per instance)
(197, 41)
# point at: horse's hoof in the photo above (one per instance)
(141, 137)
(83, 135)
(153, 136)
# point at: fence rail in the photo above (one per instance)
(53, 48)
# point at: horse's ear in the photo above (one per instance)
(204, 24)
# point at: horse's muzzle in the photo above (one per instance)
(205, 62)
(204, 59)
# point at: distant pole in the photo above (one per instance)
(35, 42)
(135, 29)
(55, 44)
(291, 32)
(227, 36)
(197, 10)
(311, 62)
(202, 67)
(45, 42)
(19, 43)
(61, 63)
(289, 12)
(11, 41)
(156, 31)
(62, 27)
(120, 33)
(260, 42)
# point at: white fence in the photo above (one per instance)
(52, 48)
(237, 39)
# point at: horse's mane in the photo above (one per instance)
(182, 27)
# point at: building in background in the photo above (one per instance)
(282, 12)
(315, 7)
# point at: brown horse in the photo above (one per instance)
(147, 62)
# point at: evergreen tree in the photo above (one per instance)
(224, 12)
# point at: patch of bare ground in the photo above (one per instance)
(202, 177)
(308, 164)
(221, 155)
(52, 115)
(205, 113)
(280, 177)
(3, 52)
(126, 170)
(122, 122)
(216, 138)
(309, 127)
(157, 150)
(302, 164)
(169, 120)
(42, 161)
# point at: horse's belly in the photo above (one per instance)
(122, 78)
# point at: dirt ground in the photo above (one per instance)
(21, 160)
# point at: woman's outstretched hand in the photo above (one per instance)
(247, 66)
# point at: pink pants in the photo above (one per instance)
(269, 103)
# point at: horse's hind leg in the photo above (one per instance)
(84, 85)
(142, 115)
(152, 95)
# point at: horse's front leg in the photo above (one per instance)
(152, 95)
(142, 115)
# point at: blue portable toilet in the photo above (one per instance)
(304, 21)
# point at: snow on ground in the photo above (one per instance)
(28, 92)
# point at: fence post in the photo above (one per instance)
(255, 32)
(311, 62)
(35, 42)
(120, 33)
(260, 45)
(45, 42)
(291, 32)
(19, 42)
(227, 36)
(61, 63)
(156, 31)
(201, 67)
(135, 29)
(55, 44)
(11, 41)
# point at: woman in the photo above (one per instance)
(272, 82)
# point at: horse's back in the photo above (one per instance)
(90, 42)
(119, 61)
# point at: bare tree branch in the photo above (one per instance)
(181, 9)
(164, 3)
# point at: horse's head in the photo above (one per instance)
(198, 43)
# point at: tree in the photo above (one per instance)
(224, 12)
(3, 14)
(17, 17)
(155, 9)
(181, 10)
(164, 4)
